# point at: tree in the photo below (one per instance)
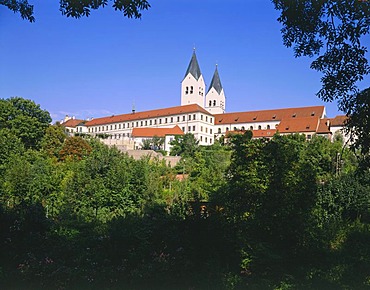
(77, 9)
(185, 145)
(53, 139)
(74, 148)
(25, 119)
(332, 30)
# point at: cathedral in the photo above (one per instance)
(203, 113)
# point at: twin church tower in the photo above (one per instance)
(193, 89)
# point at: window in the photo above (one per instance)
(96, 129)
(186, 90)
(146, 123)
(89, 130)
(99, 129)
(201, 128)
(137, 124)
(214, 103)
(210, 131)
(210, 140)
(160, 121)
(206, 139)
(141, 123)
(183, 129)
(235, 129)
(201, 138)
(123, 126)
(119, 126)
(219, 130)
(206, 118)
(106, 128)
(193, 128)
(165, 120)
(189, 117)
(150, 122)
(206, 130)
(189, 128)
(171, 119)
(178, 118)
(132, 125)
(201, 117)
(111, 127)
(128, 134)
(183, 118)
(268, 127)
(251, 128)
(227, 129)
(155, 122)
(124, 135)
(115, 127)
(259, 127)
(308, 137)
(243, 129)
(210, 120)
(194, 116)
(210, 103)
(191, 89)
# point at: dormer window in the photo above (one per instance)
(313, 114)
(254, 118)
(294, 115)
(274, 116)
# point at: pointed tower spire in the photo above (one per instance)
(193, 86)
(216, 82)
(193, 67)
(215, 97)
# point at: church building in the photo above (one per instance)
(203, 113)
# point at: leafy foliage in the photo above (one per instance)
(332, 30)
(80, 8)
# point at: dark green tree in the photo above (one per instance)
(184, 145)
(77, 9)
(24, 119)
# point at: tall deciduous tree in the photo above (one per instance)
(185, 145)
(25, 119)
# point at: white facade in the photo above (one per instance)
(192, 90)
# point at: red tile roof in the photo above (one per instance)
(72, 123)
(269, 115)
(323, 127)
(159, 132)
(192, 108)
(298, 125)
(338, 121)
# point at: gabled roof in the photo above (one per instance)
(216, 82)
(300, 125)
(192, 108)
(269, 115)
(323, 127)
(72, 123)
(159, 132)
(193, 67)
(338, 121)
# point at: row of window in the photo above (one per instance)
(145, 123)
(259, 127)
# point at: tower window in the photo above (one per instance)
(186, 90)
(191, 89)
(210, 103)
(214, 103)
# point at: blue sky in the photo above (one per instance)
(101, 65)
